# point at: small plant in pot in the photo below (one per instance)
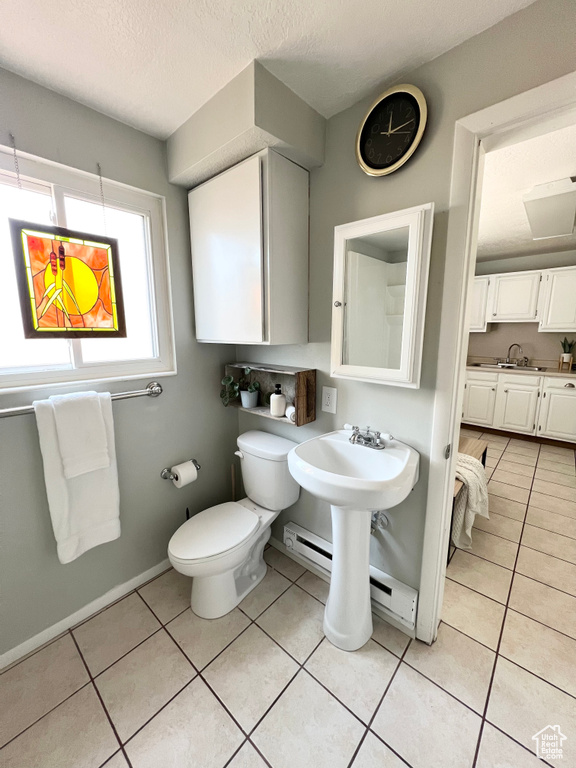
(246, 389)
(567, 347)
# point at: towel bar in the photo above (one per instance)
(152, 390)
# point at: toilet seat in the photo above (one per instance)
(213, 532)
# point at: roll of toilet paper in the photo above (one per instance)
(291, 414)
(184, 474)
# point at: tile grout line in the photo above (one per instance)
(46, 714)
(108, 717)
(499, 643)
(371, 720)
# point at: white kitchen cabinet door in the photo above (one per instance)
(513, 297)
(478, 302)
(479, 401)
(557, 417)
(558, 311)
(227, 258)
(516, 404)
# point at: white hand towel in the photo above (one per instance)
(84, 509)
(81, 433)
(471, 501)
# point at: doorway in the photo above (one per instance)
(537, 112)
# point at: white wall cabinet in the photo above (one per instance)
(558, 304)
(557, 417)
(249, 237)
(480, 398)
(517, 403)
(479, 301)
(513, 297)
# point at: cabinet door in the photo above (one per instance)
(478, 304)
(227, 258)
(559, 305)
(479, 400)
(514, 297)
(558, 414)
(516, 406)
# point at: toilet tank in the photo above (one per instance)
(267, 480)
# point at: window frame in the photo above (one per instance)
(70, 182)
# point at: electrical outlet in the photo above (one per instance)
(329, 398)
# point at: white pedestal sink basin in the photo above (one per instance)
(355, 480)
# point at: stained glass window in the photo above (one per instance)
(69, 282)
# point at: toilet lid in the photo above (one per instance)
(213, 531)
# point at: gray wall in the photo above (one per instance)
(522, 263)
(187, 420)
(525, 50)
(540, 348)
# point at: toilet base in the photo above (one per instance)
(215, 596)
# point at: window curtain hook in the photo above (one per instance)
(102, 197)
(16, 163)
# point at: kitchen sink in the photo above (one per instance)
(513, 366)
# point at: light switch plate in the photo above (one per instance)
(329, 399)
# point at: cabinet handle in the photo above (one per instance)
(493, 389)
(337, 303)
(569, 385)
(505, 391)
(493, 314)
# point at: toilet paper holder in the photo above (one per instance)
(167, 474)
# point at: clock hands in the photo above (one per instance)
(389, 132)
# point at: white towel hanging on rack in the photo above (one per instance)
(85, 509)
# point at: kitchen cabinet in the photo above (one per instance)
(513, 297)
(479, 302)
(249, 238)
(558, 303)
(516, 403)
(480, 398)
(557, 418)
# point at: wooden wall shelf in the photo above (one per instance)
(298, 384)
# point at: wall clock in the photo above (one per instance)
(392, 130)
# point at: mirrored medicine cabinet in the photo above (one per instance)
(379, 298)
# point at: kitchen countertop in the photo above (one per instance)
(550, 372)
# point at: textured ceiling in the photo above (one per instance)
(153, 63)
(508, 174)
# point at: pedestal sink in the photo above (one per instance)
(355, 480)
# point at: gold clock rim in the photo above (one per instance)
(419, 96)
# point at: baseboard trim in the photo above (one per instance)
(379, 610)
(28, 646)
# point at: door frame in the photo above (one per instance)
(540, 110)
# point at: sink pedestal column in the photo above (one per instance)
(348, 615)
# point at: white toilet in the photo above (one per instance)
(222, 547)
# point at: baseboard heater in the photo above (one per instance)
(388, 593)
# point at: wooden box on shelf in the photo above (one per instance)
(298, 384)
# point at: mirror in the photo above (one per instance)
(379, 301)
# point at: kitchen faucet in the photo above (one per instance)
(511, 347)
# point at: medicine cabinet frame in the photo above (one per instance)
(419, 221)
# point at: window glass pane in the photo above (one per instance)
(15, 350)
(130, 231)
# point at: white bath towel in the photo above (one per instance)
(81, 433)
(471, 501)
(84, 509)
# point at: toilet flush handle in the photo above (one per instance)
(239, 453)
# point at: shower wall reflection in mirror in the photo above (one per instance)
(380, 281)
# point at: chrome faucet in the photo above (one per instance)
(367, 438)
(512, 347)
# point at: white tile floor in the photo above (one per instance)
(147, 684)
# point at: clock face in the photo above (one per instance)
(391, 131)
